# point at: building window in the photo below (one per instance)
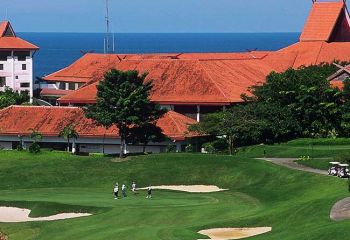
(17, 77)
(22, 56)
(1, 66)
(24, 66)
(71, 86)
(25, 85)
(2, 81)
(4, 55)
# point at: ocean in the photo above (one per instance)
(58, 50)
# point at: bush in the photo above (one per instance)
(34, 148)
(171, 149)
(189, 148)
(220, 145)
(209, 148)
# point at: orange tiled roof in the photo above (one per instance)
(49, 121)
(54, 92)
(322, 21)
(217, 79)
(13, 42)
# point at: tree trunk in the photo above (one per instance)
(230, 139)
(68, 145)
(144, 148)
(122, 143)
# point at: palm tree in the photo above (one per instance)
(69, 132)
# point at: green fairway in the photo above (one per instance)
(295, 204)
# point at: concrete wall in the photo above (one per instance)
(89, 145)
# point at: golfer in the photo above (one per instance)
(149, 192)
(116, 191)
(133, 187)
(124, 190)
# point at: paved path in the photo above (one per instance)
(290, 163)
(341, 210)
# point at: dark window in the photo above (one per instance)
(16, 77)
(80, 85)
(25, 85)
(62, 86)
(22, 56)
(24, 66)
(71, 86)
(1, 66)
(2, 81)
(4, 55)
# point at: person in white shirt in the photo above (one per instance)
(133, 187)
(124, 190)
(116, 191)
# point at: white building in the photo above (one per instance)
(16, 60)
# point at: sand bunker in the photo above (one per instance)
(16, 215)
(234, 233)
(341, 210)
(189, 188)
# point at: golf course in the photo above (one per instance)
(295, 204)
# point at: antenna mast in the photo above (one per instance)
(106, 42)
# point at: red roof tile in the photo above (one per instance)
(54, 92)
(322, 21)
(207, 80)
(49, 121)
(13, 42)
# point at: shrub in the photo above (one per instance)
(189, 148)
(209, 148)
(171, 149)
(34, 148)
(220, 145)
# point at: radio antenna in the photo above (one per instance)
(106, 41)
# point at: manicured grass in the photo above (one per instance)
(294, 203)
(318, 163)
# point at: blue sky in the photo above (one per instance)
(157, 16)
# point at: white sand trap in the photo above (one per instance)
(234, 233)
(189, 188)
(16, 215)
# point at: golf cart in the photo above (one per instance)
(343, 171)
(333, 168)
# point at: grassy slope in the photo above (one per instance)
(295, 204)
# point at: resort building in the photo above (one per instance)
(17, 123)
(16, 60)
(188, 84)
(199, 83)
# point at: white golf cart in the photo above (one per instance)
(343, 171)
(333, 168)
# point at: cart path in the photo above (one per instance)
(341, 210)
(290, 163)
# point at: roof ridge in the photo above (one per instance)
(213, 81)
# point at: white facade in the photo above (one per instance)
(16, 71)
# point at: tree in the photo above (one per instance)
(123, 101)
(9, 97)
(145, 134)
(307, 94)
(69, 132)
(36, 137)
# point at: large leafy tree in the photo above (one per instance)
(69, 132)
(123, 101)
(307, 94)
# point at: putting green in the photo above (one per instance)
(295, 204)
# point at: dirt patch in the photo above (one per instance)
(189, 188)
(16, 215)
(341, 210)
(3, 236)
(234, 233)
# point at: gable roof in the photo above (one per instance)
(9, 40)
(49, 121)
(323, 20)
